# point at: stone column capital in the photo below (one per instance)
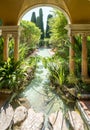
(4, 35)
(15, 35)
(84, 35)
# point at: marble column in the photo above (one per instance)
(84, 57)
(71, 56)
(16, 46)
(5, 47)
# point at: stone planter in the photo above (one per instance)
(4, 96)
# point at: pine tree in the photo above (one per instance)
(47, 27)
(33, 18)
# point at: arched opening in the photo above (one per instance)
(45, 15)
(59, 80)
(43, 6)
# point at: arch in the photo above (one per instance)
(43, 5)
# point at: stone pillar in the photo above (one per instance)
(16, 46)
(71, 56)
(84, 57)
(5, 47)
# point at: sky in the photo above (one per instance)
(46, 11)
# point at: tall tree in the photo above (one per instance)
(33, 18)
(39, 22)
(47, 26)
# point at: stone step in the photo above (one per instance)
(6, 117)
(58, 121)
(76, 120)
(34, 121)
(20, 115)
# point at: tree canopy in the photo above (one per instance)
(57, 27)
(30, 33)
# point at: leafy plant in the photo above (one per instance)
(56, 70)
(57, 74)
(12, 75)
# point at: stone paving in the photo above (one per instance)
(58, 121)
(27, 119)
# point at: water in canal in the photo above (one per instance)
(41, 98)
(38, 92)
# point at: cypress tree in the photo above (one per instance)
(33, 18)
(39, 22)
(47, 26)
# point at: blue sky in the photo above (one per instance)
(46, 11)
